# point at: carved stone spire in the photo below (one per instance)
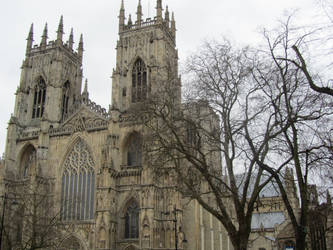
(129, 20)
(159, 11)
(44, 37)
(30, 39)
(167, 16)
(122, 16)
(60, 30)
(173, 26)
(139, 14)
(80, 48)
(85, 93)
(71, 40)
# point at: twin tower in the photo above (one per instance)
(51, 77)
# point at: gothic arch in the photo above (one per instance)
(132, 150)
(38, 97)
(73, 141)
(130, 218)
(131, 247)
(135, 58)
(139, 81)
(72, 242)
(27, 162)
(40, 75)
(78, 183)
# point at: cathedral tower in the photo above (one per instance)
(147, 57)
(92, 162)
(50, 79)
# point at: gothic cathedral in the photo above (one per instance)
(89, 160)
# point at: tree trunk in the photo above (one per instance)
(300, 239)
(240, 240)
(241, 245)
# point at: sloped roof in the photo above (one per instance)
(270, 190)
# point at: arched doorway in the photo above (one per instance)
(131, 247)
(71, 243)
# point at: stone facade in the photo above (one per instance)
(88, 161)
(89, 158)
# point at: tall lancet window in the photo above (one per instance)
(39, 98)
(65, 100)
(132, 221)
(134, 150)
(139, 81)
(78, 184)
(28, 161)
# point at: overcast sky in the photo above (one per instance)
(97, 20)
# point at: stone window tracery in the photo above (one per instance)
(39, 98)
(139, 81)
(78, 184)
(132, 221)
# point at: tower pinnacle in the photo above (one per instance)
(71, 40)
(121, 16)
(173, 26)
(167, 16)
(44, 37)
(159, 11)
(30, 39)
(60, 30)
(85, 93)
(80, 48)
(129, 20)
(139, 14)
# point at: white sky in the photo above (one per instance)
(196, 21)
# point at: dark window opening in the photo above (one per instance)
(39, 99)
(139, 81)
(132, 221)
(134, 153)
(65, 100)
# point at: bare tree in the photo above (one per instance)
(313, 41)
(34, 223)
(187, 141)
(305, 116)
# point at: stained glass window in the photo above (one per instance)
(78, 184)
(139, 81)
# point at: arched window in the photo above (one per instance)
(134, 152)
(39, 98)
(65, 100)
(132, 221)
(78, 184)
(28, 160)
(139, 81)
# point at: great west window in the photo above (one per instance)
(78, 184)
